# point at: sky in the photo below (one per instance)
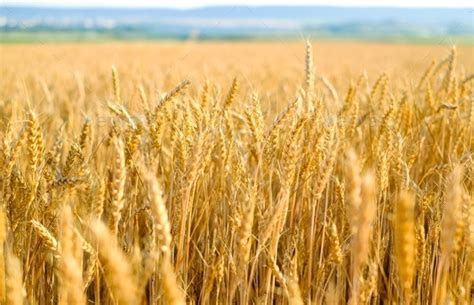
(198, 3)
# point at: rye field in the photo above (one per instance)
(236, 173)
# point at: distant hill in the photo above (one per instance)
(237, 22)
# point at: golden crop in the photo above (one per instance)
(236, 173)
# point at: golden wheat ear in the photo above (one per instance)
(405, 241)
(117, 269)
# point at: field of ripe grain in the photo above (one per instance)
(236, 173)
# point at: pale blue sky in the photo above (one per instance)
(198, 3)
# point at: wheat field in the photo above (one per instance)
(236, 173)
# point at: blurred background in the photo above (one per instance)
(74, 20)
(66, 47)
